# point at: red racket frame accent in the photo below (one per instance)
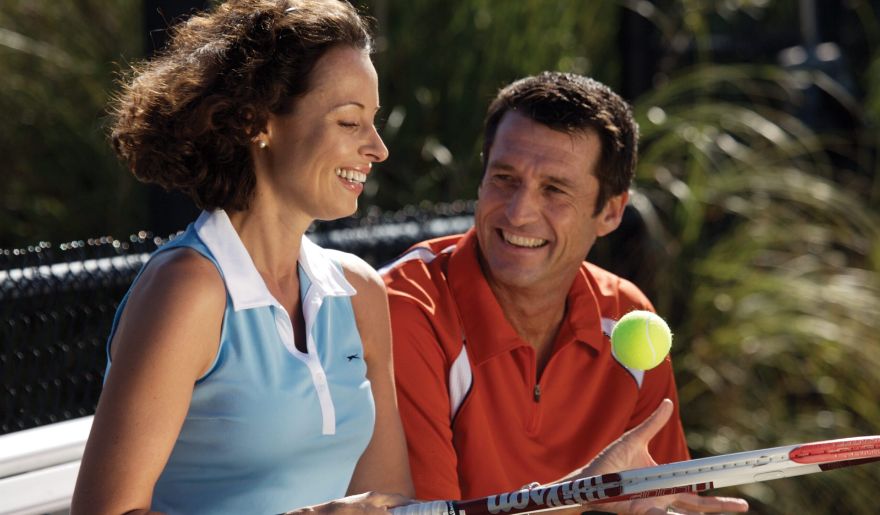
(836, 450)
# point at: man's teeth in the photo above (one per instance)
(522, 241)
(351, 175)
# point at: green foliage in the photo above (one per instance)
(770, 278)
(871, 80)
(60, 180)
(439, 65)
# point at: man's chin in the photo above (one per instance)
(514, 277)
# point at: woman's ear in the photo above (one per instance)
(262, 139)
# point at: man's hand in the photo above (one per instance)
(630, 451)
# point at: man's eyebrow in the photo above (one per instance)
(501, 165)
(548, 177)
(560, 181)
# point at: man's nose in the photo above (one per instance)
(523, 206)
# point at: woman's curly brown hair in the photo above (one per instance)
(185, 120)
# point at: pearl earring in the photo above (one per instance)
(263, 144)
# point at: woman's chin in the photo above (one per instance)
(340, 213)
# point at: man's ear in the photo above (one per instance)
(609, 218)
(480, 184)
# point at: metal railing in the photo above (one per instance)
(38, 467)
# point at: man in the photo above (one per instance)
(501, 336)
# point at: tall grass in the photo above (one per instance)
(771, 277)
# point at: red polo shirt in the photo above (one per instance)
(476, 419)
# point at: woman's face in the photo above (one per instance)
(319, 155)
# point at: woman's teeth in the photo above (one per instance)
(351, 175)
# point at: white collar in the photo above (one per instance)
(245, 285)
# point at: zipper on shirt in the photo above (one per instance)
(534, 413)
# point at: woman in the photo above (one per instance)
(250, 370)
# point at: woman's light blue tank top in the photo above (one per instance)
(270, 428)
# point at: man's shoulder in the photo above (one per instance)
(420, 299)
(422, 257)
(611, 289)
(418, 276)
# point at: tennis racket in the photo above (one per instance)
(684, 476)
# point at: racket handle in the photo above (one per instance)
(426, 508)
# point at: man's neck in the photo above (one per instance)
(535, 316)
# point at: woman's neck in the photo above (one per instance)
(272, 237)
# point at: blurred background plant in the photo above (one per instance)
(756, 220)
(438, 78)
(760, 190)
(60, 180)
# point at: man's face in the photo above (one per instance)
(534, 219)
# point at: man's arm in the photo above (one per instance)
(669, 444)
(420, 368)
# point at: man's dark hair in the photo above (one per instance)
(574, 104)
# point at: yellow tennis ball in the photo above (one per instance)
(640, 340)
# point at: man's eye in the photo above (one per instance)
(349, 125)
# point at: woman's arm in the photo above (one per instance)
(166, 339)
(384, 466)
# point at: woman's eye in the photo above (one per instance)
(349, 125)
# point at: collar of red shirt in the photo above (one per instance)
(487, 329)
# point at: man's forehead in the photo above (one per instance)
(520, 138)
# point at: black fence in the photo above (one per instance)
(57, 302)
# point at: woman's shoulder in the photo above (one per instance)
(370, 304)
(179, 297)
(183, 275)
(363, 277)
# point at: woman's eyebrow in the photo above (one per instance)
(348, 103)
(352, 103)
